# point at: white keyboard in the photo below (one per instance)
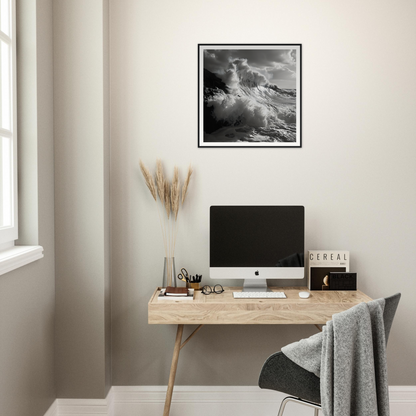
(259, 295)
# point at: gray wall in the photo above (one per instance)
(27, 295)
(355, 173)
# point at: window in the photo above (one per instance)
(11, 256)
(8, 146)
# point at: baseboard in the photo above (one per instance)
(196, 400)
(83, 407)
(402, 400)
(205, 401)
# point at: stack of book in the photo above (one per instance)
(176, 293)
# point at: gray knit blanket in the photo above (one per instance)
(349, 356)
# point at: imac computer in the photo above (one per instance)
(256, 243)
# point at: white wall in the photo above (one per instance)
(355, 173)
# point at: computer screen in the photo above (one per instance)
(256, 242)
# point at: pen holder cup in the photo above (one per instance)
(195, 286)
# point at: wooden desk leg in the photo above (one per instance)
(173, 368)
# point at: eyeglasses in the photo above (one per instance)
(207, 290)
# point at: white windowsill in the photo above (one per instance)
(18, 256)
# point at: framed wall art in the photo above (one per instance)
(249, 95)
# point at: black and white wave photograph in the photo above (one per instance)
(249, 95)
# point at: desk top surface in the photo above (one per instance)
(218, 309)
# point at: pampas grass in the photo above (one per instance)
(170, 199)
(174, 193)
(160, 181)
(186, 183)
(148, 179)
(166, 197)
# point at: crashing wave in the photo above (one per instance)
(260, 112)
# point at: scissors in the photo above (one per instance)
(183, 275)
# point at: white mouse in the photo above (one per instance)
(304, 295)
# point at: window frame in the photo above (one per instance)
(14, 256)
(9, 233)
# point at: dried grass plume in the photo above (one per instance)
(148, 179)
(174, 193)
(167, 197)
(160, 180)
(186, 183)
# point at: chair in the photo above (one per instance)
(281, 374)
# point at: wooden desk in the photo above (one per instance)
(223, 309)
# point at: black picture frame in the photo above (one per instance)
(239, 103)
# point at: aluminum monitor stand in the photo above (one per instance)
(255, 285)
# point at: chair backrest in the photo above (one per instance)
(389, 312)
